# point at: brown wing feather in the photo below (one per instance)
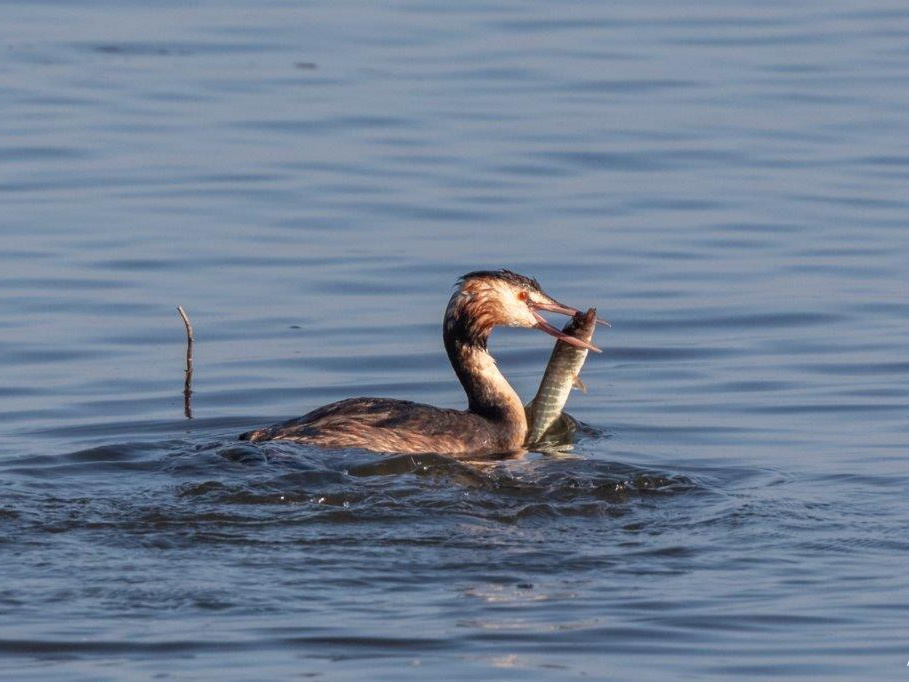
(385, 425)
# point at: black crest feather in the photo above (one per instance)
(506, 275)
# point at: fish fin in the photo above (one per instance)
(580, 385)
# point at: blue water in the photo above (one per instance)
(726, 182)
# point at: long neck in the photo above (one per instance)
(488, 392)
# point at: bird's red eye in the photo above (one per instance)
(522, 295)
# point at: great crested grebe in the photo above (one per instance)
(494, 421)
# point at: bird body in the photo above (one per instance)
(494, 421)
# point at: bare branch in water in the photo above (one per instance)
(188, 383)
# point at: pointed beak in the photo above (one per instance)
(543, 325)
(556, 307)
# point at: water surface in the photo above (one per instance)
(726, 183)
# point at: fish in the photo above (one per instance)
(560, 376)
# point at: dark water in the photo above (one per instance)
(727, 182)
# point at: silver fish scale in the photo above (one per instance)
(565, 364)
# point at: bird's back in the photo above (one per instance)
(387, 425)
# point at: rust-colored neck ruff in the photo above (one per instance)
(468, 323)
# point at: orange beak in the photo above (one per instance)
(556, 307)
